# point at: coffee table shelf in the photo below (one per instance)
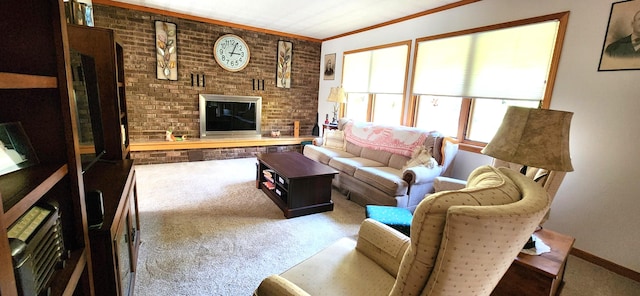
(297, 185)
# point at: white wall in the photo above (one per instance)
(598, 203)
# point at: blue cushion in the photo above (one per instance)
(398, 218)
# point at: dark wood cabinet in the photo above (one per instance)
(115, 244)
(106, 49)
(35, 90)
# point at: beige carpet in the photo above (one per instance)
(206, 229)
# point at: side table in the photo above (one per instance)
(538, 275)
(328, 126)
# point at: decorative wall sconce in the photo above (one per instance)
(260, 84)
(199, 80)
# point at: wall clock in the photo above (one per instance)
(231, 52)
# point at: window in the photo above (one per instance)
(375, 81)
(464, 81)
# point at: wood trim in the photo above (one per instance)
(561, 16)
(606, 264)
(555, 60)
(19, 81)
(405, 18)
(217, 143)
(381, 46)
(201, 19)
(470, 148)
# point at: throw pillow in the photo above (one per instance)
(334, 139)
(421, 157)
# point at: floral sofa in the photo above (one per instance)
(383, 165)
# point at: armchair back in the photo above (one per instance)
(458, 237)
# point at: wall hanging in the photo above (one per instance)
(283, 73)
(621, 48)
(329, 66)
(166, 51)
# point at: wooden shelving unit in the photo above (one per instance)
(106, 48)
(114, 244)
(35, 90)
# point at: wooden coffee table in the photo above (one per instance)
(297, 184)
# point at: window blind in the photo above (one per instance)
(376, 71)
(510, 63)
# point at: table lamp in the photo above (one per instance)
(533, 137)
(337, 96)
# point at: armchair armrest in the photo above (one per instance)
(275, 285)
(382, 244)
(446, 183)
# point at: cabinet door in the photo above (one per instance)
(123, 256)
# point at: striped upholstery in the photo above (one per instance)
(462, 242)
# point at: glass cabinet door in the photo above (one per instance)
(134, 227)
(123, 256)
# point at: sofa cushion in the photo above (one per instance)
(434, 144)
(348, 165)
(353, 148)
(342, 267)
(398, 161)
(334, 139)
(323, 154)
(486, 186)
(385, 179)
(377, 155)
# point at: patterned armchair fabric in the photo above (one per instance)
(462, 242)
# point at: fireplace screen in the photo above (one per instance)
(229, 115)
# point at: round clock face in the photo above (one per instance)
(231, 52)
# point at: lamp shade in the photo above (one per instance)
(533, 137)
(337, 95)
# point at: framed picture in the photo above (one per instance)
(15, 148)
(621, 48)
(283, 73)
(329, 66)
(166, 51)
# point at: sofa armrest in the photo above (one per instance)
(275, 285)
(446, 183)
(382, 244)
(317, 141)
(421, 174)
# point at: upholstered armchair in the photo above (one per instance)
(549, 180)
(462, 242)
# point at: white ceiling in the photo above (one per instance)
(318, 19)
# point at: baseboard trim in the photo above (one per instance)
(606, 264)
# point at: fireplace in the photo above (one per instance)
(230, 116)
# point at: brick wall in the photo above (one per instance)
(155, 105)
(168, 156)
